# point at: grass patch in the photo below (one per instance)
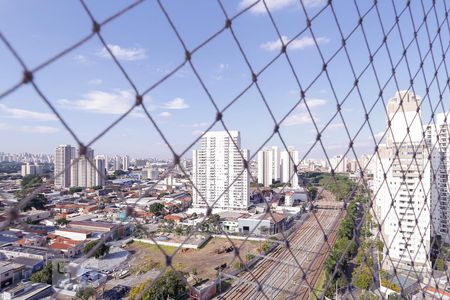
(153, 248)
(320, 285)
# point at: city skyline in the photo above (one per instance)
(100, 97)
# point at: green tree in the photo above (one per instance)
(312, 192)
(75, 189)
(167, 285)
(97, 187)
(156, 208)
(249, 256)
(179, 230)
(85, 293)
(62, 222)
(38, 202)
(99, 252)
(368, 295)
(31, 181)
(362, 278)
(43, 276)
(440, 264)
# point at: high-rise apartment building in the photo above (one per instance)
(339, 163)
(401, 187)
(269, 166)
(88, 171)
(30, 169)
(117, 163)
(83, 172)
(100, 173)
(125, 162)
(63, 156)
(438, 138)
(289, 160)
(218, 171)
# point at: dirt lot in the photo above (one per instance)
(146, 257)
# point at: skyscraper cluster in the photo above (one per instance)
(82, 171)
(219, 176)
(277, 166)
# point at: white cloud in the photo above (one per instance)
(300, 116)
(379, 135)
(18, 113)
(95, 81)
(81, 59)
(197, 132)
(275, 5)
(38, 129)
(200, 125)
(297, 119)
(222, 68)
(165, 114)
(121, 53)
(29, 129)
(315, 102)
(115, 103)
(300, 43)
(177, 103)
(335, 126)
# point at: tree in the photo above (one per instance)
(156, 208)
(62, 222)
(101, 250)
(75, 189)
(362, 278)
(85, 293)
(179, 230)
(97, 187)
(31, 181)
(43, 276)
(38, 202)
(249, 257)
(440, 264)
(312, 192)
(167, 285)
(119, 172)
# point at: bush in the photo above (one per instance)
(85, 293)
(167, 285)
(362, 278)
(101, 250)
(43, 276)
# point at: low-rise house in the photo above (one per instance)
(229, 220)
(262, 224)
(76, 234)
(32, 239)
(68, 247)
(33, 215)
(11, 251)
(28, 291)
(31, 265)
(10, 273)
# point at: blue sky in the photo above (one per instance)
(90, 92)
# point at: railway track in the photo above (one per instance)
(278, 272)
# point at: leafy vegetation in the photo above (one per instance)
(43, 276)
(10, 167)
(29, 183)
(75, 189)
(99, 252)
(156, 208)
(62, 222)
(167, 285)
(85, 293)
